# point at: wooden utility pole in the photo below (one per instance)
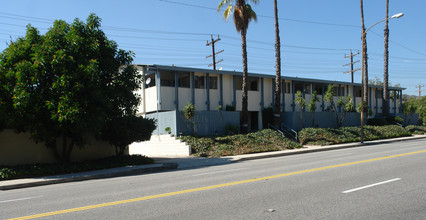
(213, 52)
(420, 94)
(352, 65)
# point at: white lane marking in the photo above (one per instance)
(338, 155)
(368, 186)
(20, 199)
(224, 171)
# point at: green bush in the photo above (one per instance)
(36, 170)
(377, 121)
(232, 129)
(260, 141)
(414, 129)
(327, 136)
(391, 120)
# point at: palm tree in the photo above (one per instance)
(385, 74)
(365, 58)
(277, 107)
(243, 14)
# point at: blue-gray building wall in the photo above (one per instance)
(322, 119)
(205, 122)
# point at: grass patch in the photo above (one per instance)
(260, 141)
(328, 136)
(37, 170)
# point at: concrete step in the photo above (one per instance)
(161, 146)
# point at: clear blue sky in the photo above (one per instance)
(315, 35)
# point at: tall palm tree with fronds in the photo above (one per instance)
(277, 107)
(242, 15)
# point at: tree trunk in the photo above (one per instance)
(337, 116)
(54, 148)
(385, 74)
(66, 149)
(365, 58)
(244, 112)
(313, 119)
(277, 107)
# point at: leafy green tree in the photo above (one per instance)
(122, 131)
(243, 14)
(68, 84)
(412, 106)
(313, 106)
(345, 103)
(189, 112)
(302, 104)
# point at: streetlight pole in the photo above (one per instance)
(364, 64)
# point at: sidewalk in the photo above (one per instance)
(163, 164)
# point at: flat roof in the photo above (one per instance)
(226, 72)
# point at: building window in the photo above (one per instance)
(379, 93)
(298, 87)
(252, 83)
(287, 87)
(336, 91)
(183, 79)
(199, 82)
(213, 82)
(318, 89)
(238, 83)
(308, 88)
(167, 79)
(358, 91)
(149, 81)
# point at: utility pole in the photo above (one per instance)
(352, 65)
(213, 51)
(420, 94)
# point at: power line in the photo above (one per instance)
(407, 48)
(284, 19)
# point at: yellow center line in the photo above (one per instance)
(206, 187)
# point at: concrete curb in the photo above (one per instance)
(90, 175)
(310, 149)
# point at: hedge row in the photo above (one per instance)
(260, 141)
(35, 170)
(327, 136)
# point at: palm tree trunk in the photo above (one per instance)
(244, 112)
(365, 57)
(385, 74)
(277, 107)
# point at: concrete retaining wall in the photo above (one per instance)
(18, 149)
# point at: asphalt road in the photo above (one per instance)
(384, 181)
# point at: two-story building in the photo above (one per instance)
(170, 88)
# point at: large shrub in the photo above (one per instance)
(35, 170)
(260, 141)
(414, 129)
(327, 136)
(67, 84)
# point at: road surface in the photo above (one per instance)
(383, 181)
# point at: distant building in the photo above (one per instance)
(170, 88)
